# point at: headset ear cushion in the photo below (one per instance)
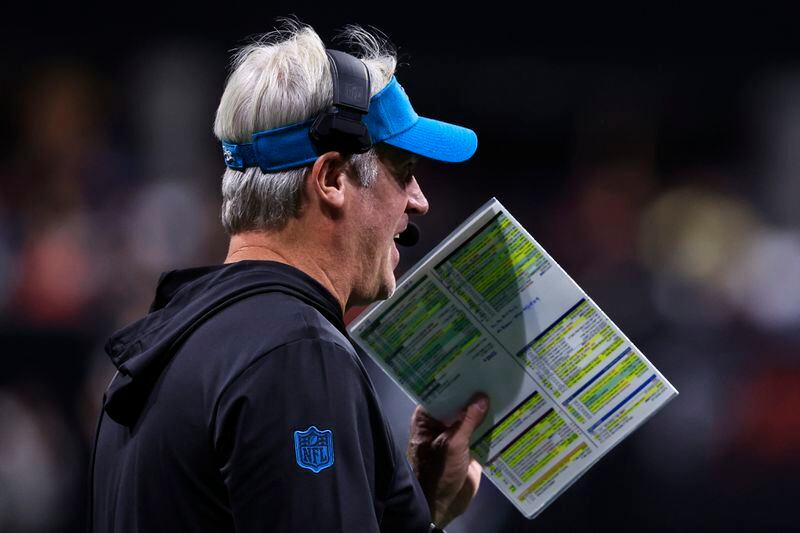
(338, 131)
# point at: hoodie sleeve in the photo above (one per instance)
(302, 444)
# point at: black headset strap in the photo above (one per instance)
(351, 83)
(341, 127)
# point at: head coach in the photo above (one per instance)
(240, 402)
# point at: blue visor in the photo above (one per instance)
(390, 119)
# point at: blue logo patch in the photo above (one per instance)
(314, 449)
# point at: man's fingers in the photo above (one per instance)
(474, 415)
(424, 427)
(422, 418)
(470, 487)
(474, 471)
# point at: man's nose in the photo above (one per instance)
(417, 203)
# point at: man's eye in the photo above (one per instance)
(404, 177)
(408, 175)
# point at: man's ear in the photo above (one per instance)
(328, 180)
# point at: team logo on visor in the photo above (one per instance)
(314, 448)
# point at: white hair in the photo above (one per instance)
(283, 78)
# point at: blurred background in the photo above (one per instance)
(652, 151)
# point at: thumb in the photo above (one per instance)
(474, 415)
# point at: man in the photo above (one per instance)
(240, 403)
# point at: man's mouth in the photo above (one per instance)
(397, 235)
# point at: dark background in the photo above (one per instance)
(652, 150)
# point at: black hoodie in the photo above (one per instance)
(240, 404)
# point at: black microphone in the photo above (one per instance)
(409, 237)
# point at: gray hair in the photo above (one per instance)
(283, 78)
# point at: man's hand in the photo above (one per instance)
(440, 458)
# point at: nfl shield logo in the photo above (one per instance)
(314, 449)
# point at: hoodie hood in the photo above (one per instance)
(184, 300)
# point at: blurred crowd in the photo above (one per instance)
(107, 183)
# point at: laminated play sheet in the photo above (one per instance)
(489, 310)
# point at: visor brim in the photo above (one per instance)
(437, 140)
